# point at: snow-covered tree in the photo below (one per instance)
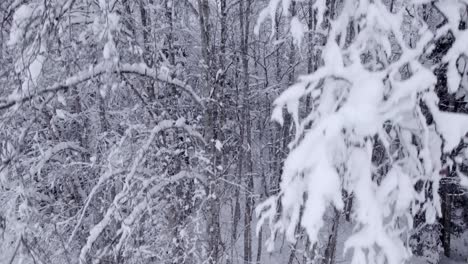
(98, 153)
(375, 92)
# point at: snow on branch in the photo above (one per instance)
(362, 100)
(149, 191)
(47, 155)
(130, 175)
(162, 76)
(99, 69)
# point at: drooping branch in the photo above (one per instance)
(102, 68)
(96, 231)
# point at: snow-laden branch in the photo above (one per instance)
(162, 76)
(47, 155)
(139, 158)
(149, 190)
(360, 99)
(99, 69)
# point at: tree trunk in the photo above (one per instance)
(244, 12)
(446, 222)
(145, 22)
(211, 136)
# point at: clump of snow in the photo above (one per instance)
(218, 145)
(451, 126)
(109, 50)
(297, 30)
(113, 21)
(464, 181)
(32, 58)
(268, 11)
(20, 20)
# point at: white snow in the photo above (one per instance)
(20, 18)
(352, 105)
(218, 145)
(452, 126)
(109, 50)
(297, 30)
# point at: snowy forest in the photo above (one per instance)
(233, 131)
